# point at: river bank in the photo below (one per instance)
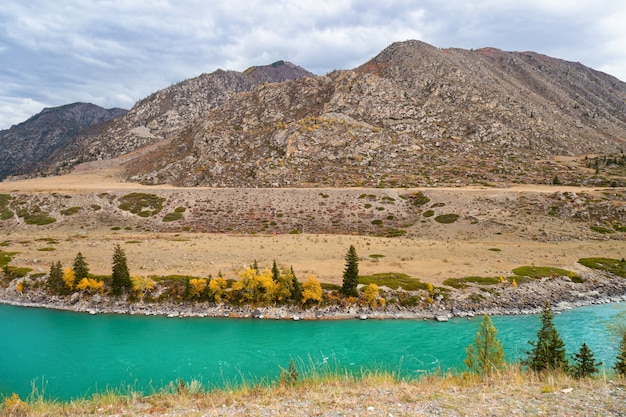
(502, 299)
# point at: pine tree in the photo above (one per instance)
(255, 266)
(275, 272)
(80, 267)
(55, 279)
(351, 274)
(584, 363)
(548, 352)
(620, 362)
(486, 354)
(120, 278)
(296, 293)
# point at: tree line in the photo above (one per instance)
(253, 287)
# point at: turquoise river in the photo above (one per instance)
(69, 355)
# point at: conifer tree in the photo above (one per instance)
(275, 271)
(55, 279)
(80, 267)
(620, 362)
(255, 266)
(548, 352)
(485, 355)
(296, 293)
(584, 363)
(120, 278)
(351, 274)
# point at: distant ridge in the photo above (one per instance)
(30, 142)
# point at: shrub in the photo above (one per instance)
(142, 204)
(447, 218)
(171, 217)
(417, 198)
(603, 230)
(429, 213)
(71, 211)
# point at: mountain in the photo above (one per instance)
(164, 114)
(28, 143)
(414, 115)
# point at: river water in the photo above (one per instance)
(70, 355)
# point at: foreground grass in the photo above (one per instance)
(511, 392)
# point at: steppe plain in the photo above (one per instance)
(499, 227)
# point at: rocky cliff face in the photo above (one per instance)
(414, 115)
(28, 143)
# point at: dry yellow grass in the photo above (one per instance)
(509, 393)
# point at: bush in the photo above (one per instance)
(142, 204)
(447, 218)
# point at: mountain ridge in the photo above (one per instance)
(413, 115)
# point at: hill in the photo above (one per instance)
(28, 143)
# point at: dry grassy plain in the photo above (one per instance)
(499, 229)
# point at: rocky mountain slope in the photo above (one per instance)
(166, 113)
(414, 115)
(30, 142)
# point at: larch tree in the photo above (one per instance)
(548, 352)
(351, 274)
(485, 355)
(120, 277)
(80, 268)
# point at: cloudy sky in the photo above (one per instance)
(115, 52)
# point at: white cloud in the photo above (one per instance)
(116, 52)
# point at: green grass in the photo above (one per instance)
(394, 281)
(495, 249)
(447, 218)
(537, 272)
(602, 230)
(613, 266)
(376, 256)
(47, 249)
(429, 213)
(6, 257)
(460, 283)
(394, 233)
(19, 272)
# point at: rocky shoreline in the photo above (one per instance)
(529, 298)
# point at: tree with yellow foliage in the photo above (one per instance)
(217, 288)
(311, 291)
(255, 287)
(142, 285)
(371, 295)
(197, 287)
(68, 278)
(90, 285)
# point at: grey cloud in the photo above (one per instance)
(116, 52)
